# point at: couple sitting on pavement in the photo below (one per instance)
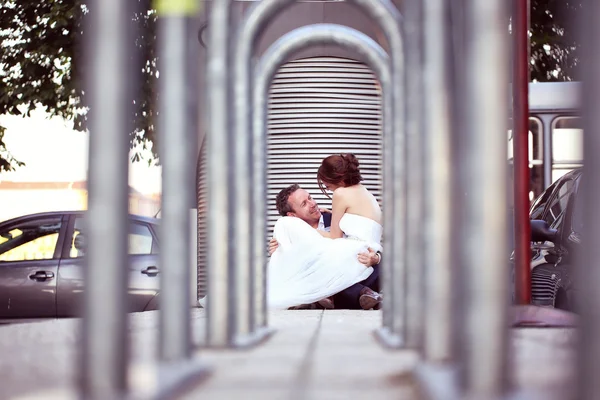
(322, 258)
(327, 258)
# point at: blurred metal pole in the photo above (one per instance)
(395, 175)
(220, 298)
(414, 255)
(110, 81)
(438, 178)
(483, 164)
(588, 272)
(387, 16)
(458, 186)
(246, 239)
(250, 167)
(520, 98)
(178, 107)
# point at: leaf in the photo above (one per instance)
(47, 61)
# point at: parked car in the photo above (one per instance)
(41, 265)
(556, 227)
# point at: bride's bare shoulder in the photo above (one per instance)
(342, 192)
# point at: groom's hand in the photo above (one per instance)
(273, 245)
(369, 257)
(325, 210)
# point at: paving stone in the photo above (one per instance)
(207, 393)
(314, 354)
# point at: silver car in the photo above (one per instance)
(41, 265)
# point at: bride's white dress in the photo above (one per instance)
(307, 267)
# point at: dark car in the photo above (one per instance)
(556, 222)
(41, 265)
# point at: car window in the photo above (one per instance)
(578, 217)
(558, 221)
(539, 204)
(559, 202)
(140, 239)
(535, 155)
(30, 240)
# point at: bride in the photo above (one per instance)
(311, 265)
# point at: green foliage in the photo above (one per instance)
(41, 63)
(41, 60)
(7, 161)
(554, 40)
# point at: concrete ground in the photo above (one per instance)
(313, 355)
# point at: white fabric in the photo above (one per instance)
(307, 267)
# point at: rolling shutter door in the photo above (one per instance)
(318, 107)
(201, 188)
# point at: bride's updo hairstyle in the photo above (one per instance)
(339, 170)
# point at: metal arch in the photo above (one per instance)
(438, 132)
(276, 55)
(414, 256)
(385, 13)
(219, 328)
(322, 34)
(112, 80)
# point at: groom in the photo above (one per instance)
(294, 201)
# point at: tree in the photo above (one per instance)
(554, 40)
(41, 62)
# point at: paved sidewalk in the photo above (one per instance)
(313, 355)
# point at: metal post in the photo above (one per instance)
(446, 279)
(458, 188)
(178, 108)
(256, 20)
(414, 254)
(244, 277)
(219, 299)
(588, 272)
(520, 94)
(178, 132)
(111, 76)
(299, 39)
(251, 213)
(483, 164)
(438, 178)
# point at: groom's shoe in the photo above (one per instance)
(326, 304)
(369, 299)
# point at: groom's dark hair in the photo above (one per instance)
(282, 203)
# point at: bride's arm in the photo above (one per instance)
(338, 208)
(325, 234)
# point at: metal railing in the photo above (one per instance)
(240, 319)
(112, 79)
(451, 302)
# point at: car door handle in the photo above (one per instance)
(150, 271)
(41, 275)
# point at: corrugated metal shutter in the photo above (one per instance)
(202, 221)
(318, 107)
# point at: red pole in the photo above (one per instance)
(522, 227)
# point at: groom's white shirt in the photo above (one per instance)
(321, 226)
